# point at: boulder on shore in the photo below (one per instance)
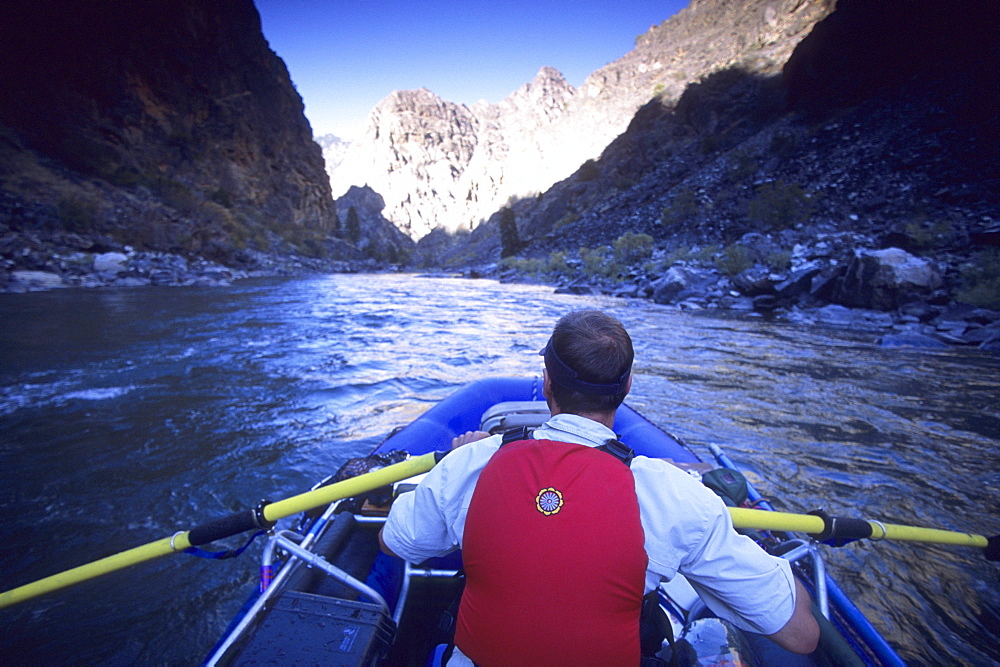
(885, 279)
(34, 281)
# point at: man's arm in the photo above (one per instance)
(386, 550)
(427, 521)
(801, 633)
(735, 578)
(459, 441)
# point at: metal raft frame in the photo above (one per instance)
(296, 546)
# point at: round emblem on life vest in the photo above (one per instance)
(549, 501)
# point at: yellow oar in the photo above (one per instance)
(264, 516)
(824, 527)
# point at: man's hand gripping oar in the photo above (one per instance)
(263, 516)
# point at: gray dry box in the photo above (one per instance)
(306, 629)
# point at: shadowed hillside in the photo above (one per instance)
(881, 130)
(163, 125)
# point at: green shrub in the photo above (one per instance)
(311, 248)
(705, 253)
(588, 171)
(528, 265)
(708, 252)
(709, 144)
(148, 232)
(623, 181)
(734, 259)
(88, 156)
(216, 220)
(568, 219)
(222, 197)
(631, 248)
(683, 207)
(677, 255)
(596, 261)
(779, 205)
(126, 177)
(76, 214)
(306, 240)
(981, 280)
(928, 236)
(179, 196)
(558, 263)
(779, 260)
(259, 238)
(745, 166)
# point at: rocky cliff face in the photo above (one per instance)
(871, 153)
(363, 225)
(334, 149)
(883, 118)
(166, 125)
(414, 151)
(442, 164)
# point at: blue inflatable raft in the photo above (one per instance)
(329, 596)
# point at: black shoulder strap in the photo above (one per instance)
(515, 434)
(619, 450)
(616, 448)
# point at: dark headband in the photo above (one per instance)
(566, 377)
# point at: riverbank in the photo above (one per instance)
(31, 262)
(901, 299)
(830, 279)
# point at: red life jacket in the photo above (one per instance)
(554, 559)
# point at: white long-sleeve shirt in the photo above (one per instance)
(687, 528)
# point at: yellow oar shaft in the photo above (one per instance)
(932, 535)
(783, 521)
(349, 487)
(811, 524)
(180, 541)
(118, 561)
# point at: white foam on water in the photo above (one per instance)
(36, 395)
(98, 393)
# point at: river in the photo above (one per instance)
(126, 415)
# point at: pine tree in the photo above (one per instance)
(338, 226)
(353, 226)
(510, 242)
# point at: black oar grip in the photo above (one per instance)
(841, 528)
(227, 526)
(993, 548)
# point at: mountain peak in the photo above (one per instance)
(547, 73)
(548, 91)
(543, 131)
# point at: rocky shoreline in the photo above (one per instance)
(32, 263)
(830, 280)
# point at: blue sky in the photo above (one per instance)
(344, 56)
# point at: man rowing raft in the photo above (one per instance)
(563, 532)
